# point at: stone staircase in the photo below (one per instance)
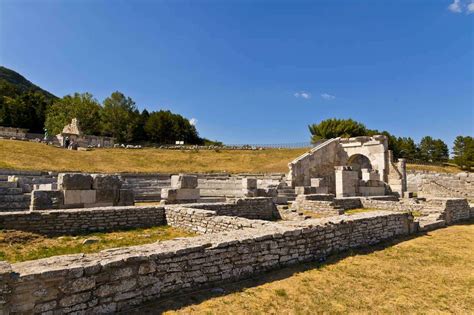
(451, 191)
(146, 189)
(287, 192)
(432, 218)
(12, 197)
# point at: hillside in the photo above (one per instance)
(36, 156)
(21, 83)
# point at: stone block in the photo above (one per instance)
(107, 196)
(305, 190)
(45, 186)
(317, 182)
(77, 197)
(74, 181)
(173, 194)
(249, 183)
(126, 197)
(106, 182)
(46, 199)
(184, 181)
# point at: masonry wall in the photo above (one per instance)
(117, 279)
(251, 208)
(206, 221)
(428, 184)
(76, 221)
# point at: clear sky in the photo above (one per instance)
(258, 71)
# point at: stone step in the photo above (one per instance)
(14, 205)
(8, 184)
(14, 198)
(10, 191)
(429, 225)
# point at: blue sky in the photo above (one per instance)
(258, 71)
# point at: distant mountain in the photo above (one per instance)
(21, 83)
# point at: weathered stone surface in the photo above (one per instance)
(183, 181)
(79, 197)
(74, 181)
(46, 199)
(126, 197)
(106, 182)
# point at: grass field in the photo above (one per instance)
(430, 274)
(22, 155)
(16, 246)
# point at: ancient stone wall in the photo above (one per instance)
(251, 208)
(428, 184)
(76, 221)
(117, 279)
(207, 221)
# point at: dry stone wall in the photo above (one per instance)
(118, 279)
(261, 208)
(76, 221)
(428, 184)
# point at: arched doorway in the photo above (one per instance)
(358, 162)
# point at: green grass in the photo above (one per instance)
(16, 246)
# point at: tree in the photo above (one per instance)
(463, 152)
(333, 128)
(119, 117)
(433, 150)
(165, 127)
(407, 148)
(82, 106)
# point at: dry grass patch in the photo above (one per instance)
(16, 246)
(428, 274)
(37, 156)
(359, 210)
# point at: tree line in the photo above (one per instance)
(117, 116)
(427, 150)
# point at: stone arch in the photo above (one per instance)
(358, 162)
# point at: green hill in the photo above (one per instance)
(20, 83)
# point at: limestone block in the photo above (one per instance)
(173, 194)
(45, 186)
(107, 196)
(46, 199)
(73, 197)
(184, 181)
(106, 182)
(317, 182)
(126, 197)
(74, 181)
(305, 190)
(249, 183)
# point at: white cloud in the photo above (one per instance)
(303, 94)
(470, 8)
(193, 121)
(328, 97)
(455, 6)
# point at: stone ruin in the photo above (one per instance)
(244, 225)
(73, 133)
(76, 190)
(348, 167)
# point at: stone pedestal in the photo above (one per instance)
(347, 182)
(183, 190)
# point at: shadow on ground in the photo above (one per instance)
(178, 301)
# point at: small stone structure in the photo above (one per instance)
(230, 247)
(77, 190)
(72, 132)
(15, 133)
(183, 190)
(360, 166)
(429, 184)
